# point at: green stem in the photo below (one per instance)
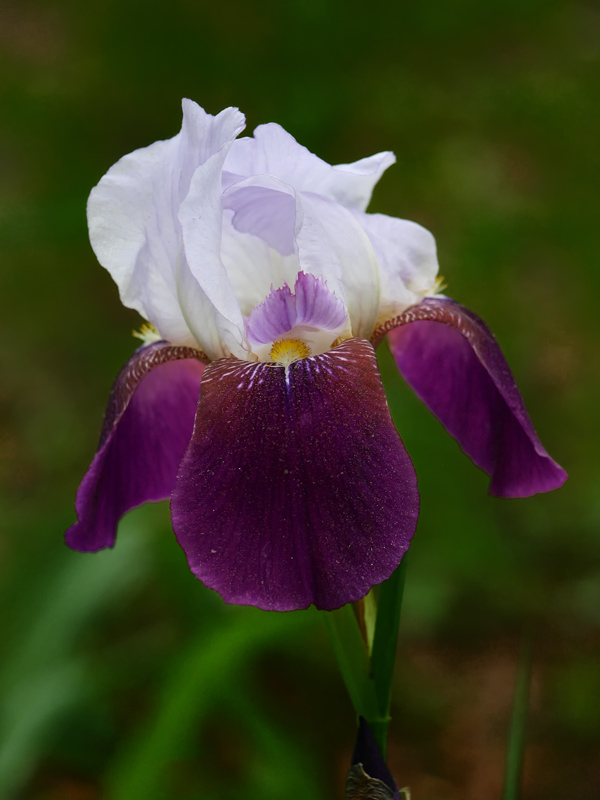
(517, 732)
(369, 680)
(353, 660)
(385, 644)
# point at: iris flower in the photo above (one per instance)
(255, 403)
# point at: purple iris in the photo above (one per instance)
(255, 403)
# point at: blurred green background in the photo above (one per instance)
(121, 676)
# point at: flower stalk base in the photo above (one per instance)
(367, 673)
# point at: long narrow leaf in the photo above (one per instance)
(280, 767)
(385, 642)
(518, 723)
(352, 657)
(41, 678)
(203, 674)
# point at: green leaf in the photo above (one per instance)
(369, 680)
(280, 767)
(41, 677)
(385, 642)
(351, 653)
(203, 674)
(517, 733)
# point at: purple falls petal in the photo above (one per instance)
(454, 364)
(296, 487)
(147, 427)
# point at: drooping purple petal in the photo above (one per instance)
(454, 364)
(147, 427)
(296, 487)
(311, 304)
(367, 754)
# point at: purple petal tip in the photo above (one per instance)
(454, 364)
(148, 424)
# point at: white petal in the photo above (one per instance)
(135, 232)
(329, 244)
(333, 245)
(263, 216)
(275, 152)
(253, 267)
(407, 259)
(352, 184)
(266, 207)
(202, 221)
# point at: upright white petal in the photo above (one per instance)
(407, 258)
(261, 219)
(328, 241)
(266, 207)
(136, 234)
(333, 245)
(273, 151)
(325, 237)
